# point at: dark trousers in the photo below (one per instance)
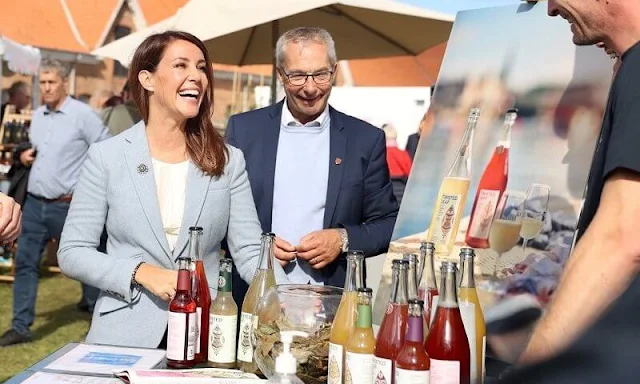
(41, 221)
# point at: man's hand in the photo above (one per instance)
(284, 252)
(320, 248)
(10, 219)
(27, 157)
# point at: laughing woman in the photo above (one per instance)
(148, 185)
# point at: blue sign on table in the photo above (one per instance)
(110, 359)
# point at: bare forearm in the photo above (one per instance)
(595, 276)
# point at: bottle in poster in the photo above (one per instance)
(182, 332)
(452, 195)
(491, 187)
(345, 318)
(223, 320)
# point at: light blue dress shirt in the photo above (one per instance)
(62, 139)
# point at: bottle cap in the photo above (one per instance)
(286, 362)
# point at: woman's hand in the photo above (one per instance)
(159, 281)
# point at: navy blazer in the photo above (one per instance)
(359, 192)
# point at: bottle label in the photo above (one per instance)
(405, 376)
(448, 208)
(335, 363)
(359, 368)
(382, 370)
(445, 372)
(199, 328)
(181, 328)
(222, 339)
(483, 215)
(468, 314)
(245, 347)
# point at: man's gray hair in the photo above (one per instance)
(303, 35)
(48, 64)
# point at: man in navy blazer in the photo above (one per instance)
(319, 177)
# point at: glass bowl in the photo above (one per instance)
(291, 307)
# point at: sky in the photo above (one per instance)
(453, 6)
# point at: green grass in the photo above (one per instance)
(57, 323)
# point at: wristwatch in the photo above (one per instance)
(344, 236)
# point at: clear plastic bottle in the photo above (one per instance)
(285, 370)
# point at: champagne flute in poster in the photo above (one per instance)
(534, 212)
(507, 222)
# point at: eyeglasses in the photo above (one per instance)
(301, 78)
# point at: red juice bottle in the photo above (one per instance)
(393, 329)
(428, 288)
(412, 363)
(447, 343)
(201, 295)
(181, 334)
(491, 187)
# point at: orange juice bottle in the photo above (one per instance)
(361, 344)
(344, 322)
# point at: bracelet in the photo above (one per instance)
(134, 282)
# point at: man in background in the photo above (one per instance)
(61, 132)
(19, 97)
(319, 177)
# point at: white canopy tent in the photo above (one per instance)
(242, 32)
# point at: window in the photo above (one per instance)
(120, 32)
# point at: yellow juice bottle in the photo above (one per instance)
(344, 321)
(472, 317)
(361, 343)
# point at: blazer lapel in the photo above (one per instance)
(196, 194)
(270, 147)
(337, 150)
(138, 159)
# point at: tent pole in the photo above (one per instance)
(274, 38)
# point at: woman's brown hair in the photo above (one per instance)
(205, 145)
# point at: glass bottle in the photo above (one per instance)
(491, 187)
(412, 275)
(345, 318)
(412, 363)
(201, 294)
(393, 328)
(182, 327)
(428, 290)
(452, 195)
(361, 343)
(472, 316)
(223, 318)
(447, 344)
(261, 282)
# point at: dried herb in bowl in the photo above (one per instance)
(311, 353)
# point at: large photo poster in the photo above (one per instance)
(504, 153)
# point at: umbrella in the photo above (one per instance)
(242, 32)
